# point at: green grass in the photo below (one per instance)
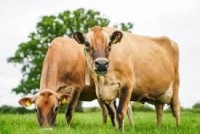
(91, 123)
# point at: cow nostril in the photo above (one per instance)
(106, 64)
(96, 63)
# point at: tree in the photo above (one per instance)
(196, 107)
(30, 54)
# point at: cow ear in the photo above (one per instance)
(79, 37)
(64, 98)
(116, 37)
(27, 101)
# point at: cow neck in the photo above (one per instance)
(99, 82)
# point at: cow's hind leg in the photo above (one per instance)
(175, 103)
(104, 111)
(159, 113)
(175, 106)
(72, 105)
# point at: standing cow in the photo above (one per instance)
(133, 67)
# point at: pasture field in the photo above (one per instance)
(91, 123)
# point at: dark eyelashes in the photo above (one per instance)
(87, 44)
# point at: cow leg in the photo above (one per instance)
(175, 103)
(124, 100)
(112, 113)
(175, 106)
(104, 111)
(72, 105)
(130, 114)
(159, 113)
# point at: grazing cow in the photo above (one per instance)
(133, 67)
(63, 75)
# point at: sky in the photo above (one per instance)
(177, 19)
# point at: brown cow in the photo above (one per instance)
(63, 73)
(63, 70)
(133, 67)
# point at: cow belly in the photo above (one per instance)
(167, 96)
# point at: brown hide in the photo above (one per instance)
(141, 68)
(148, 65)
(63, 65)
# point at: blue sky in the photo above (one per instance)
(178, 20)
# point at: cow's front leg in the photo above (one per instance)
(124, 100)
(72, 105)
(112, 113)
(104, 111)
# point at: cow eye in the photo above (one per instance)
(56, 109)
(87, 44)
(36, 110)
(110, 43)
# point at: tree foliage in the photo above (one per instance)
(30, 54)
(196, 106)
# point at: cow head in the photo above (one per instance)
(46, 106)
(98, 45)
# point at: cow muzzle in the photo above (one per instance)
(101, 65)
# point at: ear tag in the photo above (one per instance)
(64, 100)
(28, 103)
